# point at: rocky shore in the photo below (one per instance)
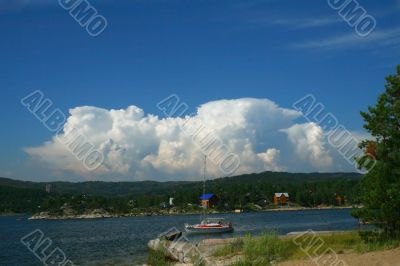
(47, 216)
(100, 213)
(175, 247)
(337, 248)
(94, 214)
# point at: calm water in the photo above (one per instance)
(122, 241)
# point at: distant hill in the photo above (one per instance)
(96, 187)
(156, 188)
(248, 191)
(284, 177)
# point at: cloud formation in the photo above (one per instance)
(138, 146)
(382, 38)
(307, 22)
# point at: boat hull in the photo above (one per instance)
(193, 230)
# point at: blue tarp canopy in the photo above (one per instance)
(206, 196)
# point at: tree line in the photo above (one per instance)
(238, 192)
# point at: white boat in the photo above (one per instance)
(210, 226)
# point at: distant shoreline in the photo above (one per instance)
(308, 208)
(89, 216)
(8, 214)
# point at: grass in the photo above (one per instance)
(375, 240)
(158, 257)
(230, 249)
(265, 249)
(269, 248)
(315, 245)
(369, 247)
(256, 251)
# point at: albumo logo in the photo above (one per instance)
(355, 15)
(86, 15)
(53, 119)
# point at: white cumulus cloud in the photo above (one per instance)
(138, 146)
(308, 140)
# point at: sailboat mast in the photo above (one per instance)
(204, 174)
(204, 186)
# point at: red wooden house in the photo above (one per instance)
(281, 198)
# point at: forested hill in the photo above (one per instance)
(305, 189)
(154, 187)
(97, 187)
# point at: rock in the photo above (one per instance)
(179, 250)
(186, 253)
(171, 236)
(93, 214)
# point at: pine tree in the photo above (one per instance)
(381, 185)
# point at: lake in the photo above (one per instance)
(122, 241)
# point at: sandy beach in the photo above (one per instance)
(376, 258)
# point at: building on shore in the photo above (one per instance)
(48, 188)
(281, 198)
(208, 200)
(339, 199)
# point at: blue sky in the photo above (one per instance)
(200, 50)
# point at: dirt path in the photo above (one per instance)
(377, 258)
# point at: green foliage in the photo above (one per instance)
(381, 186)
(375, 240)
(265, 249)
(16, 200)
(339, 242)
(269, 248)
(230, 249)
(250, 192)
(158, 258)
